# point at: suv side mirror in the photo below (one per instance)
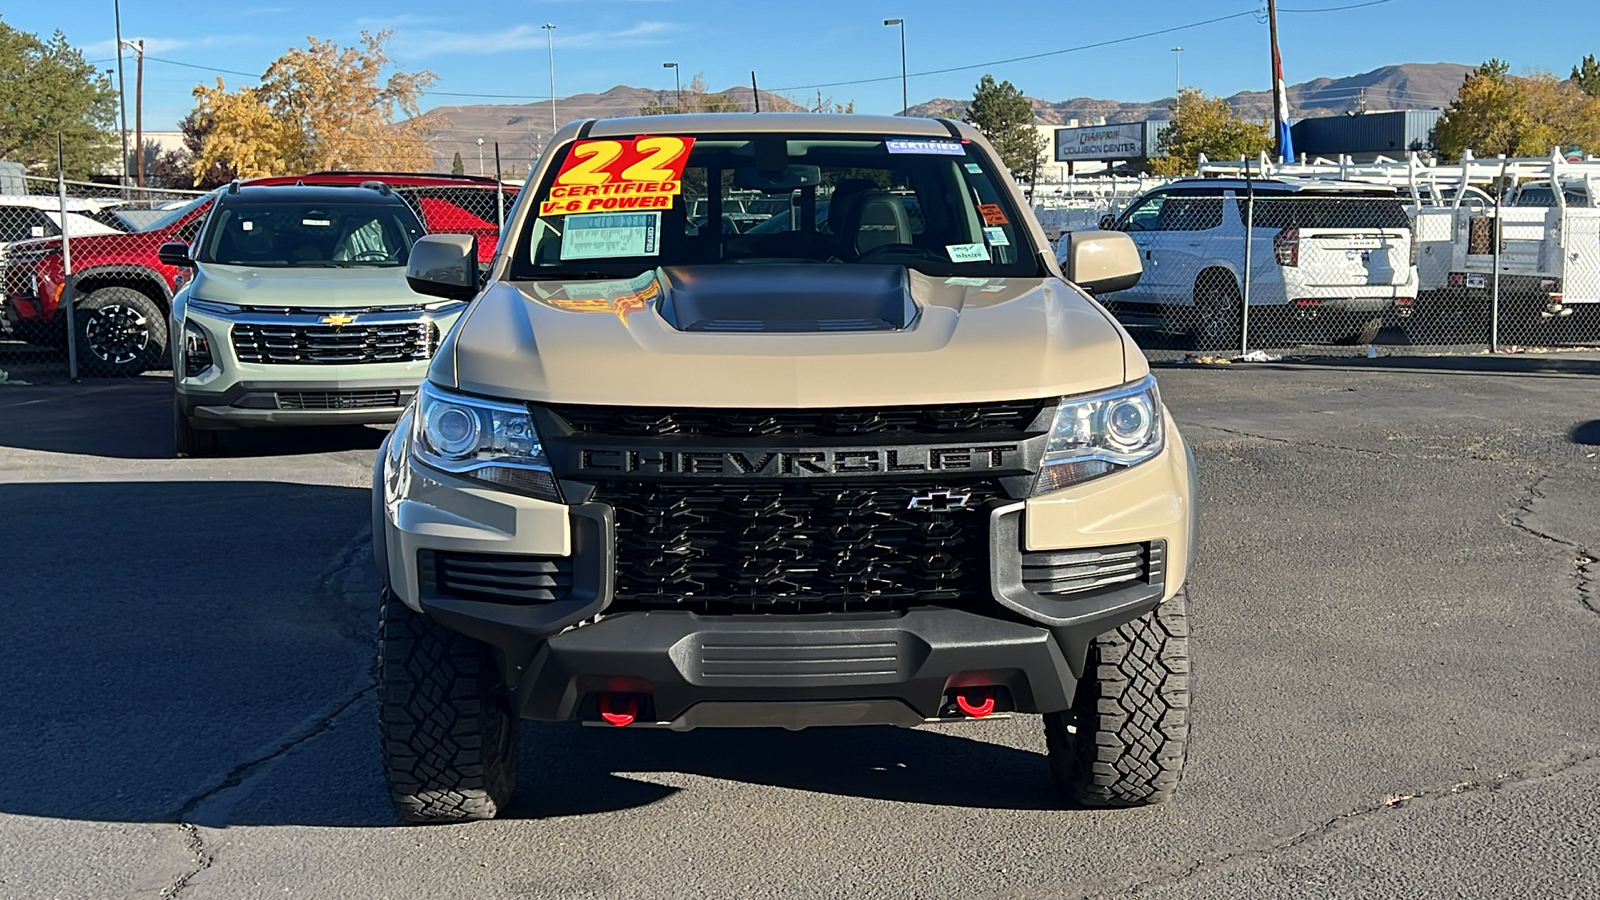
(176, 254)
(1108, 222)
(1101, 261)
(444, 265)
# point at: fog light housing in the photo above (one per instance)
(196, 351)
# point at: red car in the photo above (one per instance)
(122, 289)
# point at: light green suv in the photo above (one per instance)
(298, 312)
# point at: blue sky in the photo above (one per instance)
(497, 47)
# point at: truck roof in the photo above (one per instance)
(759, 123)
(296, 193)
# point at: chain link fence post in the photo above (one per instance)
(68, 294)
(1249, 244)
(1499, 240)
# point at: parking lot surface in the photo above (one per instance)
(1396, 623)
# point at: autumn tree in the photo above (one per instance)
(323, 107)
(1586, 75)
(48, 89)
(1204, 124)
(1005, 117)
(1500, 113)
(696, 99)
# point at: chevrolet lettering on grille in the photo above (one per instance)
(797, 463)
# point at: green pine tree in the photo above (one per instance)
(456, 166)
(47, 89)
(1587, 75)
(1005, 117)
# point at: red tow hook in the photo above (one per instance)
(626, 715)
(976, 702)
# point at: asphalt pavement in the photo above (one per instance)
(1397, 656)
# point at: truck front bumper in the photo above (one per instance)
(273, 404)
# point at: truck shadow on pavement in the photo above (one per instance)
(202, 651)
(1586, 433)
(132, 419)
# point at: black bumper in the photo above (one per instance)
(257, 404)
(689, 669)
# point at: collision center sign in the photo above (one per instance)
(1100, 142)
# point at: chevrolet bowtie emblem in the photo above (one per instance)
(337, 320)
(940, 501)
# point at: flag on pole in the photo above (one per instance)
(1285, 143)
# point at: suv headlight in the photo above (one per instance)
(1096, 434)
(481, 439)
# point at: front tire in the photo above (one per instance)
(1125, 739)
(187, 440)
(450, 738)
(121, 332)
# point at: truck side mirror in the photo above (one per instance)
(444, 265)
(175, 254)
(1101, 262)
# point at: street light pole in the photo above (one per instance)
(905, 103)
(677, 84)
(1177, 72)
(122, 99)
(480, 157)
(550, 41)
(138, 110)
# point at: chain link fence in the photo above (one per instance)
(1270, 269)
(84, 293)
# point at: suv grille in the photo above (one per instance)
(646, 421)
(328, 345)
(338, 399)
(797, 547)
(496, 577)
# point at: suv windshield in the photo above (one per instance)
(616, 208)
(295, 234)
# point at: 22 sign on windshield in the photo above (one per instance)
(611, 176)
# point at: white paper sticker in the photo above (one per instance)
(974, 168)
(316, 223)
(247, 226)
(965, 253)
(996, 237)
(925, 146)
(965, 281)
(603, 235)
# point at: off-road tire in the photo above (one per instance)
(1125, 739)
(187, 440)
(449, 736)
(1362, 331)
(121, 332)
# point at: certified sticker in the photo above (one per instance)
(613, 176)
(925, 146)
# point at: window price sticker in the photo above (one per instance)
(609, 235)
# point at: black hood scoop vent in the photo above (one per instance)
(787, 298)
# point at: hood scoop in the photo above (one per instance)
(787, 298)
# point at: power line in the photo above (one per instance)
(173, 62)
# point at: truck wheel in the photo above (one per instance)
(1218, 311)
(1362, 331)
(120, 332)
(449, 736)
(1124, 741)
(187, 440)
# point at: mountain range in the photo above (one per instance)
(521, 129)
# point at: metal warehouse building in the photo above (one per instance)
(1367, 135)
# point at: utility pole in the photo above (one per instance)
(905, 102)
(138, 110)
(1280, 100)
(550, 41)
(122, 98)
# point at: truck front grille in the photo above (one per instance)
(338, 399)
(797, 547)
(335, 345)
(1011, 418)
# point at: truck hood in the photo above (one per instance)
(314, 288)
(615, 342)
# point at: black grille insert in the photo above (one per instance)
(338, 399)
(496, 577)
(1081, 572)
(1011, 418)
(797, 547)
(330, 345)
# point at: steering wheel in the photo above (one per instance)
(900, 250)
(372, 256)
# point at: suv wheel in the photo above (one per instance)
(1124, 741)
(187, 440)
(120, 332)
(1218, 311)
(450, 738)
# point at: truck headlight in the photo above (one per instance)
(481, 439)
(1095, 434)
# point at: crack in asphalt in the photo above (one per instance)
(196, 845)
(1551, 768)
(1363, 451)
(1583, 558)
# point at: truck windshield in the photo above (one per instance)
(618, 207)
(300, 235)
